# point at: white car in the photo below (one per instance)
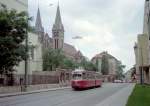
(117, 81)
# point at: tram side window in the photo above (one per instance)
(84, 76)
(77, 76)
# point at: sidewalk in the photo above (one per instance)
(118, 99)
(31, 92)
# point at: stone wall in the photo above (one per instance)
(39, 77)
(13, 89)
(51, 77)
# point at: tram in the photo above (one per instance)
(82, 79)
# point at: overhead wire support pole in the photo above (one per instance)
(26, 60)
(141, 66)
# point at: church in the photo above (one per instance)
(37, 40)
(57, 39)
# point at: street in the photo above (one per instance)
(66, 97)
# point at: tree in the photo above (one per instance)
(120, 70)
(13, 28)
(69, 64)
(52, 59)
(88, 65)
(105, 65)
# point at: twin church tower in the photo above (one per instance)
(57, 40)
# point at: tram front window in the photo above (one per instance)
(77, 76)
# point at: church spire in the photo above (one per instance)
(58, 23)
(58, 31)
(58, 16)
(38, 23)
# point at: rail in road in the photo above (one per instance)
(66, 97)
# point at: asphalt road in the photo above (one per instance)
(66, 97)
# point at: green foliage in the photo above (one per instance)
(52, 59)
(13, 27)
(140, 96)
(88, 65)
(120, 69)
(69, 64)
(105, 65)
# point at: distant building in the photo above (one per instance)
(142, 49)
(128, 76)
(112, 64)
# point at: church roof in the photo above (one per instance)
(78, 54)
(69, 49)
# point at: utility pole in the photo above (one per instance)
(26, 60)
(141, 70)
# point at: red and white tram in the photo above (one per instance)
(82, 79)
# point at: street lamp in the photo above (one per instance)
(26, 59)
(141, 70)
(77, 38)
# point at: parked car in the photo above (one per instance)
(118, 81)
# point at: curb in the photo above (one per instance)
(32, 92)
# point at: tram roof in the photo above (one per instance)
(78, 70)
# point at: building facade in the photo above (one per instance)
(35, 61)
(142, 49)
(128, 76)
(112, 65)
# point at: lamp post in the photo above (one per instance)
(77, 38)
(26, 61)
(141, 70)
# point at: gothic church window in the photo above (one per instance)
(55, 43)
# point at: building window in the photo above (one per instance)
(57, 43)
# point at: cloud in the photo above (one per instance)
(110, 25)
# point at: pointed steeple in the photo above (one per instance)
(58, 31)
(38, 24)
(58, 23)
(58, 17)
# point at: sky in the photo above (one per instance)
(104, 25)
